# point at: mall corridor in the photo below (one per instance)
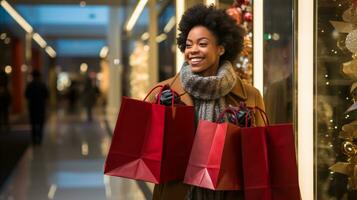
(69, 164)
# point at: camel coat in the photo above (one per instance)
(241, 92)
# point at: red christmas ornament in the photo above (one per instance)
(238, 3)
(236, 13)
(246, 2)
(248, 16)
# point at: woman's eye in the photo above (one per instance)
(188, 45)
(203, 44)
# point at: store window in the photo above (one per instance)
(166, 39)
(278, 60)
(335, 100)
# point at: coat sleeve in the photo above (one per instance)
(259, 102)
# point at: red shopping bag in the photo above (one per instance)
(282, 162)
(215, 161)
(269, 162)
(255, 164)
(151, 142)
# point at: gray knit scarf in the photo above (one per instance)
(208, 92)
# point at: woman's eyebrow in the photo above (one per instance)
(199, 39)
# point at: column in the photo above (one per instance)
(18, 59)
(115, 64)
(153, 57)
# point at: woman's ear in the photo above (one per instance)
(221, 50)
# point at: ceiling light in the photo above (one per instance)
(16, 16)
(40, 41)
(116, 61)
(52, 191)
(84, 67)
(145, 36)
(134, 17)
(49, 50)
(104, 52)
(82, 3)
(161, 37)
(170, 24)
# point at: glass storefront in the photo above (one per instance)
(335, 73)
(166, 40)
(278, 60)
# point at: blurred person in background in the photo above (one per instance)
(73, 97)
(37, 94)
(90, 92)
(5, 99)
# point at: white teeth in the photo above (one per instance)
(196, 59)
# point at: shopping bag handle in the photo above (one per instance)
(225, 111)
(152, 91)
(233, 110)
(159, 95)
(263, 114)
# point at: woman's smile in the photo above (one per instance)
(195, 61)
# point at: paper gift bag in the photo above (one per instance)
(215, 161)
(151, 142)
(282, 162)
(255, 164)
(269, 162)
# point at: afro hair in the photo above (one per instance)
(223, 27)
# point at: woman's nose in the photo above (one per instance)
(194, 49)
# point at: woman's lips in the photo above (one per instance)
(195, 61)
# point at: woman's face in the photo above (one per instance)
(202, 52)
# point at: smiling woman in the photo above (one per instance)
(210, 41)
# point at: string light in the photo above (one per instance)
(8, 69)
(3, 36)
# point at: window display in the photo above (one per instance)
(335, 99)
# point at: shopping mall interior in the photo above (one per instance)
(87, 55)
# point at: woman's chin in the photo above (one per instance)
(196, 70)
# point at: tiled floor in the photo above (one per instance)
(69, 165)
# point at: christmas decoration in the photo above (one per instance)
(139, 78)
(241, 11)
(349, 69)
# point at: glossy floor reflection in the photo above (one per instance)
(69, 165)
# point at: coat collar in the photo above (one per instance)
(239, 90)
